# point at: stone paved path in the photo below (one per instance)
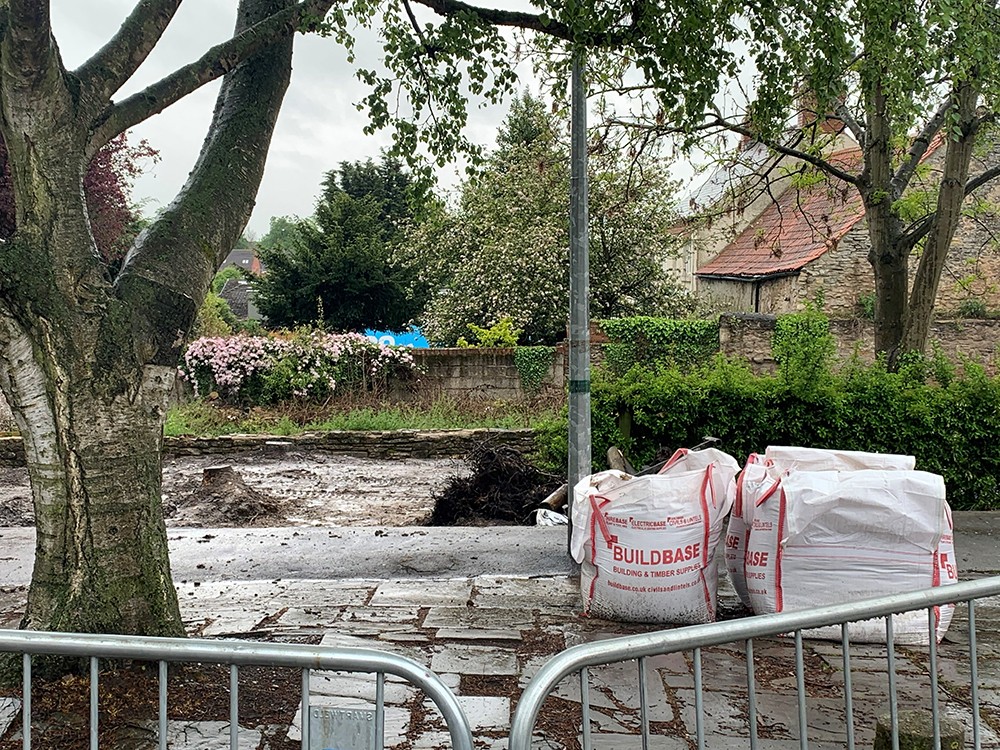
(487, 636)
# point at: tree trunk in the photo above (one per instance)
(947, 215)
(884, 230)
(86, 363)
(93, 457)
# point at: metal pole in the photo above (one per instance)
(579, 290)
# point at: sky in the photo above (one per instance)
(318, 127)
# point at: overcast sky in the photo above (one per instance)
(318, 127)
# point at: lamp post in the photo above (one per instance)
(579, 290)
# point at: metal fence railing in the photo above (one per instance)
(581, 659)
(235, 654)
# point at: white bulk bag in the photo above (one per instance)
(761, 475)
(749, 485)
(647, 544)
(827, 537)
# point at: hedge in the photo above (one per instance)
(950, 424)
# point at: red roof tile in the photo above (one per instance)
(798, 228)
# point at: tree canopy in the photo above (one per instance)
(504, 251)
(905, 80)
(336, 268)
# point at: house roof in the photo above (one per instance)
(245, 259)
(797, 228)
(724, 178)
(237, 293)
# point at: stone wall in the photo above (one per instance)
(476, 373)
(748, 335)
(377, 444)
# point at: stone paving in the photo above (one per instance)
(487, 636)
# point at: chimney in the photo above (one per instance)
(809, 114)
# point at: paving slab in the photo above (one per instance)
(10, 710)
(514, 618)
(484, 712)
(473, 660)
(209, 735)
(477, 634)
(453, 592)
(358, 686)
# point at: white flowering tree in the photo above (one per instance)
(504, 251)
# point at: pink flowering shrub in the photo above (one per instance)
(309, 365)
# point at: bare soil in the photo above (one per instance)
(280, 488)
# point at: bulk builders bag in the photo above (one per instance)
(647, 544)
(818, 536)
(759, 479)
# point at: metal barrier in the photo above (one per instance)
(579, 659)
(234, 653)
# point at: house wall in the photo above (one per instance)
(972, 269)
(722, 294)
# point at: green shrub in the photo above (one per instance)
(532, 363)
(866, 306)
(972, 307)
(950, 423)
(657, 341)
(502, 334)
(803, 347)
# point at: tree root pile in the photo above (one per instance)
(504, 488)
(224, 499)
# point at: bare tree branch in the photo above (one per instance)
(112, 65)
(844, 114)
(981, 179)
(721, 122)
(214, 64)
(919, 147)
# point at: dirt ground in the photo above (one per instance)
(294, 488)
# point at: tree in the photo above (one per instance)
(280, 233)
(88, 356)
(337, 267)
(114, 219)
(505, 252)
(904, 79)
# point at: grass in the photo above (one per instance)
(209, 418)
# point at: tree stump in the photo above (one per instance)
(916, 732)
(218, 475)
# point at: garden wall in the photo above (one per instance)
(477, 373)
(748, 335)
(374, 444)
(491, 373)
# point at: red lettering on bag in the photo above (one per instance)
(732, 541)
(756, 558)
